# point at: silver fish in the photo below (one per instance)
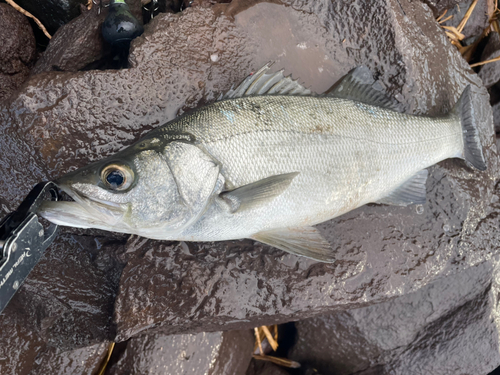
(267, 162)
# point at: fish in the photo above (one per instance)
(268, 161)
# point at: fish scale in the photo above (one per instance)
(269, 167)
(352, 153)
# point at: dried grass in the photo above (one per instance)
(462, 23)
(485, 62)
(28, 14)
(264, 333)
(105, 362)
(258, 341)
(455, 33)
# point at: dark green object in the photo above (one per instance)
(120, 27)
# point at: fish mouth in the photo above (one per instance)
(84, 212)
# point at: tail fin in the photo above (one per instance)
(464, 110)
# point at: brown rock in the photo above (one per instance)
(477, 22)
(188, 286)
(447, 327)
(496, 116)
(17, 50)
(74, 45)
(82, 361)
(80, 42)
(66, 303)
(490, 73)
(61, 121)
(439, 6)
(265, 368)
(53, 13)
(215, 353)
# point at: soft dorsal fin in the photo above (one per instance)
(258, 192)
(260, 83)
(358, 85)
(303, 241)
(412, 191)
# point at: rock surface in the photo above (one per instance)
(439, 6)
(17, 50)
(80, 43)
(265, 368)
(82, 361)
(382, 251)
(214, 353)
(496, 116)
(74, 45)
(66, 302)
(490, 73)
(449, 327)
(60, 121)
(53, 13)
(478, 20)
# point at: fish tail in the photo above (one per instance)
(464, 111)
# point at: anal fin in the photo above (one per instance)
(412, 191)
(303, 241)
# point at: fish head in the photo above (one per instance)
(152, 188)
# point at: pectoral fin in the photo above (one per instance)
(412, 191)
(258, 192)
(303, 241)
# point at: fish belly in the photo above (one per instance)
(347, 154)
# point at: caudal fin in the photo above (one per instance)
(473, 151)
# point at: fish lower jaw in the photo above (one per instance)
(73, 214)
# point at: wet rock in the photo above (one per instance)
(490, 73)
(382, 251)
(79, 44)
(215, 353)
(448, 327)
(203, 3)
(265, 368)
(477, 22)
(439, 6)
(17, 50)
(496, 116)
(65, 303)
(82, 361)
(171, 6)
(61, 121)
(53, 13)
(75, 45)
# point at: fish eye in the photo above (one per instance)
(117, 177)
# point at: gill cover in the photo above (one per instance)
(196, 176)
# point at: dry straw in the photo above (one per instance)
(264, 333)
(455, 33)
(28, 14)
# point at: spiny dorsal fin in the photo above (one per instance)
(412, 191)
(258, 192)
(261, 83)
(358, 85)
(303, 241)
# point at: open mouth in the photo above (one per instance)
(84, 212)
